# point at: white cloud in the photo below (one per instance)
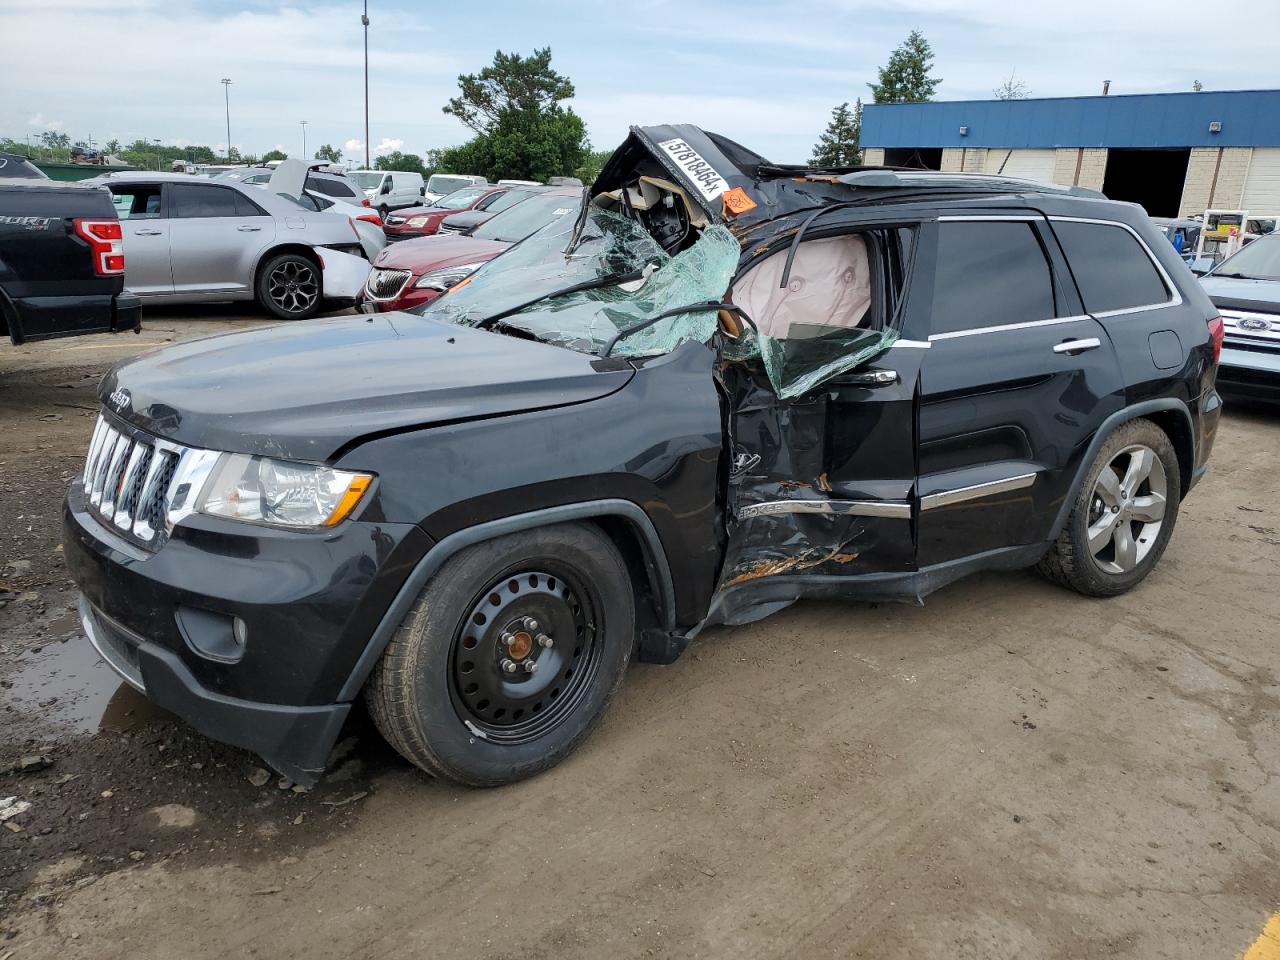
(41, 122)
(353, 146)
(387, 145)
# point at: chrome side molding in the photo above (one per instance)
(976, 491)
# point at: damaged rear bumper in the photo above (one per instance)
(294, 740)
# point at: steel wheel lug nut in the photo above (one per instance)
(508, 665)
(531, 666)
(531, 624)
(545, 641)
(508, 638)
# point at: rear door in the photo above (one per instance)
(145, 226)
(217, 234)
(1016, 380)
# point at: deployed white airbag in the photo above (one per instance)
(829, 286)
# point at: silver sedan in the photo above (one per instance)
(190, 240)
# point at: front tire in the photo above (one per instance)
(509, 658)
(289, 286)
(1123, 516)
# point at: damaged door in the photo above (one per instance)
(821, 483)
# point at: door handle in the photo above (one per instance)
(245, 228)
(147, 233)
(872, 378)
(1072, 347)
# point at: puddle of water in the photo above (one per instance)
(67, 687)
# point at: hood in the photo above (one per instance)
(303, 391)
(1238, 294)
(289, 178)
(442, 250)
(705, 164)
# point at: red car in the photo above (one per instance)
(416, 271)
(425, 221)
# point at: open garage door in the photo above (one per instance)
(1262, 187)
(1027, 164)
(1153, 178)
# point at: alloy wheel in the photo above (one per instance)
(1127, 509)
(293, 286)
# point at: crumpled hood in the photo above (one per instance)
(430, 253)
(304, 390)
(1235, 293)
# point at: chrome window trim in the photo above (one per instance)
(979, 218)
(1175, 295)
(913, 344)
(976, 491)
(1029, 324)
(894, 509)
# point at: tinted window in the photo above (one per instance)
(533, 213)
(192, 200)
(136, 201)
(990, 275)
(331, 188)
(246, 207)
(1111, 269)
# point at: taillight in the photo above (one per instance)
(106, 241)
(371, 218)
(365, 202)
(1215, 334)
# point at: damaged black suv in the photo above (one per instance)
(713, 387)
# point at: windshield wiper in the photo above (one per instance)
(598, 282)
(1244, 276)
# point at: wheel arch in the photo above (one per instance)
(287, 247)
(625, 523)
(1169, 414)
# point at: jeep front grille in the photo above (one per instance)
(386, 284)
(129, 478)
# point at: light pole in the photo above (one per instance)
(304, 138)
(364, 19)
(226, 90)
(157, 143)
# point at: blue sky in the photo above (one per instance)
(765, 73)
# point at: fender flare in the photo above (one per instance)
(437, 556)
(1105, 429)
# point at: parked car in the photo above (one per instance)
(415, 272)
(425, 221)
(467, 221)
(1182, 232)
(194, 240)
(14, 166)
(388, 190)
(62, 260)
(440, 185)
(1246, 289)
(720, 386)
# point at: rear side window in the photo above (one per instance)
(136, 201)
(990, 274)
(331, 188)
(194, 200)
(1111, 269)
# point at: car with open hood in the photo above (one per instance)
(415, 272)
(715, 387)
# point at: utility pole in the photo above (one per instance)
(226, 90)
(364, 19)
(304, 138)
(157, 143)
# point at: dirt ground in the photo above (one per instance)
(1010, 771)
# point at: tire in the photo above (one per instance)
(442, 695)
(289, 286)
(1106, 507)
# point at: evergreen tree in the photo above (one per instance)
(839, 144)
(905, 78)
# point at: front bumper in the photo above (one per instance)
(307, 605)
(1250, 373)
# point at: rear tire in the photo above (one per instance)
(453, 692)
(1123, 515)
(289, 286)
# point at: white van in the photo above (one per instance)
(389, 189)
(443, 184)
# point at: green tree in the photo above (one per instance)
(905, 78)
(54, 138)
(839, 145)
(404, 162)
(113, 146)
(522, 129)
(590, 167)
(330, 153)
(274, 155)
(1011, 89)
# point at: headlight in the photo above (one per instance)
(446, 277)
(261, 490)
(417, 221)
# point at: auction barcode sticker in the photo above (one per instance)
(702, 174)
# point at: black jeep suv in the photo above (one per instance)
(714, 387)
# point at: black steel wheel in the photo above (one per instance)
(510, 656)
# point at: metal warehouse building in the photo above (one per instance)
(1177, 154)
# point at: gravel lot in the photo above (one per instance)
(1009, 771)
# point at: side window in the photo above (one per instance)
(246, 207)
(136, 201)
(1111, 269)
(330, 188)
(990, 274)
(197, 200)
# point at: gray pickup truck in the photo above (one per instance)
(61, 259)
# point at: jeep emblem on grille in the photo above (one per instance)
(119, 398)
(1253, 323)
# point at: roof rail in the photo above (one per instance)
(968, 182)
